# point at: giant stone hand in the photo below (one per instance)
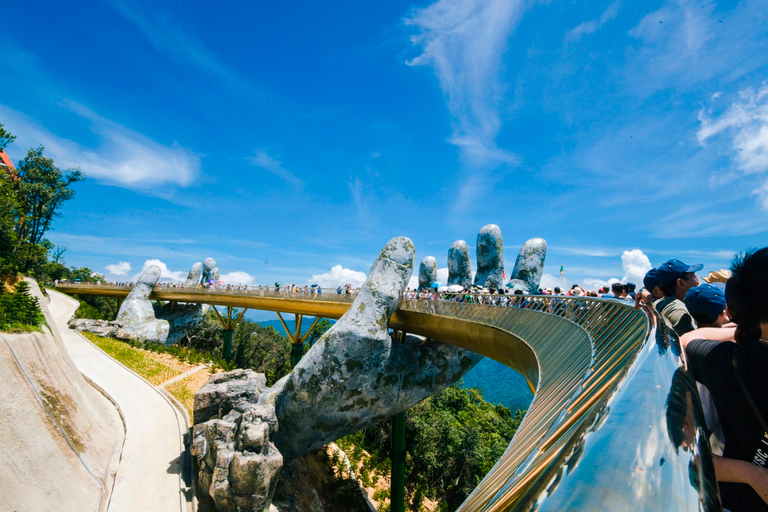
(143, 320)
(354, 376)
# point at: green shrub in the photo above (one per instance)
(19, 309)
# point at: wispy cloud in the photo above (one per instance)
(745, 127)
(270, 164)
(590, 27)
(169, 39)
(124, 157)
(464, 41)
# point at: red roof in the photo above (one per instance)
(7, 164)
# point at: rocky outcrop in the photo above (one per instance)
(529, 266)
(427, 273)
(459, 266)
(490, 257)
(236, 462)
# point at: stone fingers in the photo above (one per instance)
(529, 265)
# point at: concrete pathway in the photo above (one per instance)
(149, 475)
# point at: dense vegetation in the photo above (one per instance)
(453, 439)
(18, 309)
(31, 198)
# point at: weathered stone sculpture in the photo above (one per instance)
(353, 377)
(529, 266)
(459, 267)
(139, 319)
(195, 275)
(427, 272)
(490, 257)
(137, 316)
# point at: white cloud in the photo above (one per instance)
(590, 27)
(165, 273)
(123, 157)
(270, 164)
(594, 284)
(746, 121)
(339, 276)
(464, 41)
(635, 264)
(120, 269)
(237, 277)
(549, 281)
(745, 126)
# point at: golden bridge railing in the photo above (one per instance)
(595, 436)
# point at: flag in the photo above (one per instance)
(562, 269)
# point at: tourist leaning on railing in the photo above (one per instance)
(734, 373)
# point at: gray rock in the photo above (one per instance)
(529, 266)
(195, 275)
(236, 462)
(224, 392)
(137, 315)
(427, 272)
(459, 267)
(490, 257)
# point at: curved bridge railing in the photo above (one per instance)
(603, 431)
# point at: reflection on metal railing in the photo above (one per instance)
(596, 435)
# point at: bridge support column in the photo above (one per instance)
(227, 349)
(229, 326)
(297, 340)
(397, 455)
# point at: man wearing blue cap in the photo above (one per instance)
(674, 279)
(706, 304)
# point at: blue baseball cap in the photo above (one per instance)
(649, 281)
(706, 300)
(672, 269)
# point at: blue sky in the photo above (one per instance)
(291, 141)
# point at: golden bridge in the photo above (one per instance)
(596, 436)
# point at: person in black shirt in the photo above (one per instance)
(735, 374)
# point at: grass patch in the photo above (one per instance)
(18, 328)
(183, 394)
(138, 360)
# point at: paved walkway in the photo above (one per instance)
(149, 475)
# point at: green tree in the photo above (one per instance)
(5, 138)
(19, 307)
(453, 439)
(41, 190)
(8, 264)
